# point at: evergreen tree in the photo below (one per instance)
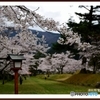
(89, 24)
(89, 27)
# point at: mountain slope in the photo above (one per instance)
(50, 37)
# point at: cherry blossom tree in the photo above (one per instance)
(23, 17)
(73, 38)
(24, 43)
(59, 63)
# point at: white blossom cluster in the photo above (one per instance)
(73, 38)
(56, 61)
(22, 42)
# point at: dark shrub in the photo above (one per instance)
(97, 85)
(83, 71)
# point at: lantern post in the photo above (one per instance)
(16, 65)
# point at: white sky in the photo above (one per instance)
(59, 11)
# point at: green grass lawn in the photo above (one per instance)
(56, 77)
(37, 85)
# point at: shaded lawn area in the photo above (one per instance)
(84, 79)
(34, 85)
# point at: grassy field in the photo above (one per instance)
(56, 77)
(38, 85)
(84, 79)
(75, 79)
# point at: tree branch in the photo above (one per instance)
(26, 9)
(84, 7)
(14, 12)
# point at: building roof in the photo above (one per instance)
(15, 57)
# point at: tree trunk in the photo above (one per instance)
(3, 81)
(94, 68)
(90, 19)
(61, 70)
(58, 70)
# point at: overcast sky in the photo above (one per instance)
(59, 11)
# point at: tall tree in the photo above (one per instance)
(89, 24)
(70, 41)
(89, 27)
(21, 18)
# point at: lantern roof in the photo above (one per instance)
(15, 57)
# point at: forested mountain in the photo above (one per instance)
(50, 37)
